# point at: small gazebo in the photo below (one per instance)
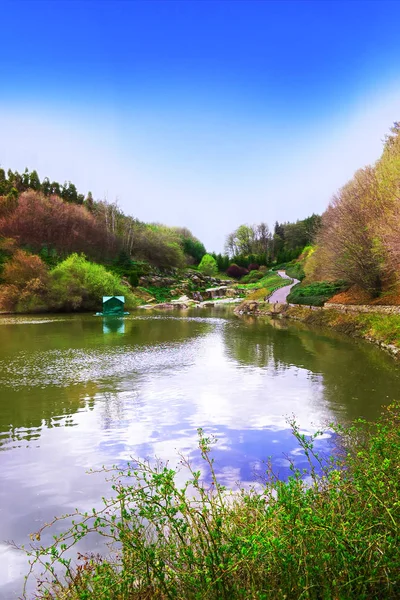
(113, 305)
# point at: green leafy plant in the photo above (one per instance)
(330, 531)
(77, 284)
(252, 277)
(208, 265)
(315, 294)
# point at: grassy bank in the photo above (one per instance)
(334, 536)
(315, 294)
(264, 287)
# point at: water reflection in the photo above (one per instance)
(50, 370)
(355, 378)
(113, 325)
(74, 396)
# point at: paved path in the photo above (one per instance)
(282, 293)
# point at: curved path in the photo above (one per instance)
(282, 293)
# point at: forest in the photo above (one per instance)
(59, 248)
(62, 250)
(359, 237)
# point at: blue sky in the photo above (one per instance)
(199, 113)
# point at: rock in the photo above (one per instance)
(278, 308)
(197, 296)
(247, 307)
(182, 299)
(171, 305)
(231, 293)
(217, 292)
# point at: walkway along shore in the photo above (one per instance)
(282, 293)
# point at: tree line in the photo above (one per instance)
(359, 237)
(257, 244)
(14, 183)
(57, 224)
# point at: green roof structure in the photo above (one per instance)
(113, 305)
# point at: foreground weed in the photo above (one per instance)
(332, 535)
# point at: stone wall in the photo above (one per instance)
(363, 308)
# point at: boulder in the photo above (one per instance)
(231, 293)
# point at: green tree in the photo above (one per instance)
(69, 193)
(46, 186)
(34, 181)
(208, 265)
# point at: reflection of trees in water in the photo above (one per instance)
(113, 407)
(40, 367)
(25, 414)
(86, 332)
(248, 344)
(357, 377)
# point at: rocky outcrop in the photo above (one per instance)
(194, 285)
(252, 307)
(191, 279)
(156, 281)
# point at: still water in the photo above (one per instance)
(79, 392)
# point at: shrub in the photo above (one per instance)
(295, 271)
(333, 535)
(315, 294)
(23, 267)
(236, 271)
(26, 280)
(77, 284)
(134, 278)
(252, 277)
(208, 265)
(253, 267)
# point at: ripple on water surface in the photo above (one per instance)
(75, 395)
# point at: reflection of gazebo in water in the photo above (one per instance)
(113, 324)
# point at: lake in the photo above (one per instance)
(78, 392)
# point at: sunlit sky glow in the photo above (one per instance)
(199, 113)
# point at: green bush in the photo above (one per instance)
(327, 533)
(315, 294)
(161, 294)
(77, 284)
(208, 265)
(252, 277)
(295, 271)
(270, 281)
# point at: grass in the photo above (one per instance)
(270, 282)
(161, 294)
(332, 537)
(315, 294)
(384, 328)
(295, 270)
